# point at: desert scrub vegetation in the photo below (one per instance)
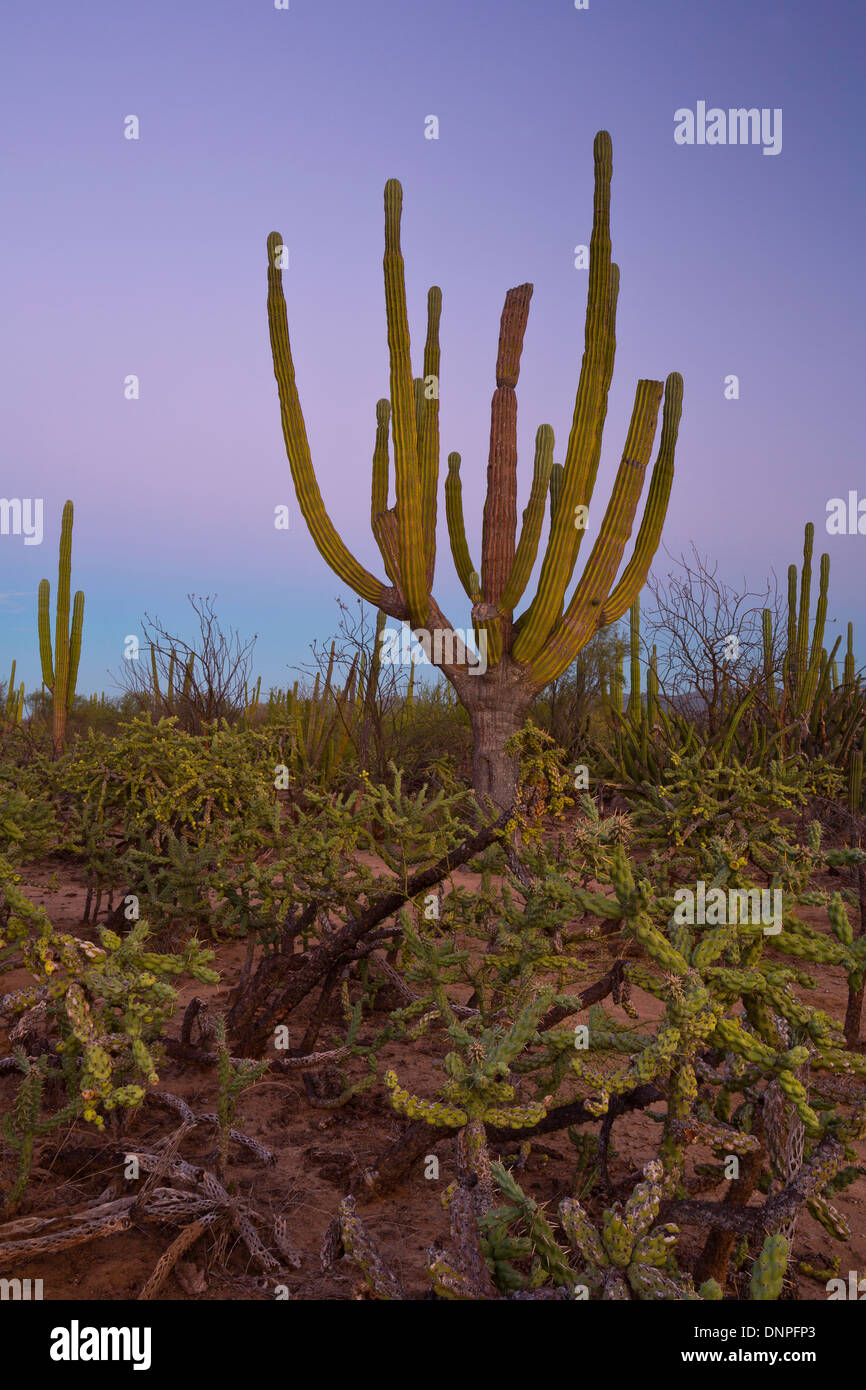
(506, 959)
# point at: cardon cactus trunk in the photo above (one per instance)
(59, 675)
(520, 654)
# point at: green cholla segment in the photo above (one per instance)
(768, 1272)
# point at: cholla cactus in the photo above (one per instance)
(109, 1004)
(628, 1257)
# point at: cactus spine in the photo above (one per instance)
(60, 668)
(523, 653)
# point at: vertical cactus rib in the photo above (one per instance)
(413, 567)
(456, 527)
(648, 536)
(428, 445)
(533, 519)
(584, 612)
(325, 536)
(563, 540)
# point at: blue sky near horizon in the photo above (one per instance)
(148, 257)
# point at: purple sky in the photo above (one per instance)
(148, 257)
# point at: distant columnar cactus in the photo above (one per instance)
(60, 675)
(523, 653)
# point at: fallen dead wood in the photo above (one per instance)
(283, 979)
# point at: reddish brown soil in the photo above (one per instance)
(316, 1153)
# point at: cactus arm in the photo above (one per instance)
(413, 567)
(418, 392)
(75, 645)
(325, 536)
(848, 668)
(652, 690)
(44, 625)
(383, 519)
(634, 699)
(583, 614)
(648, 536)
(187, 677)
(555, 490)
(805, 604)
(618, 681)
(767, 635)
(428, 443)
(562, 543)
(821, 610)
(61, 627)
(379, 500)
(533, 518)
(154, 675)
(456, 527)
(789, 669)
(500, 508)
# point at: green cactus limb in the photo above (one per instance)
(533, 518)
(583, 615)
(848, 669)
(328, 542)
(428, 443)
(155, 675)
(61, 673)
(618, 682)
(556, 473)
(805, 604)
(457, 530)
(44, 627)
(768, 1271)
(634, 692)
(652, 689)
(648, 537)
(382, 520)
(855, 781)
(413, 567)
(564, 538)
(767, 636)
